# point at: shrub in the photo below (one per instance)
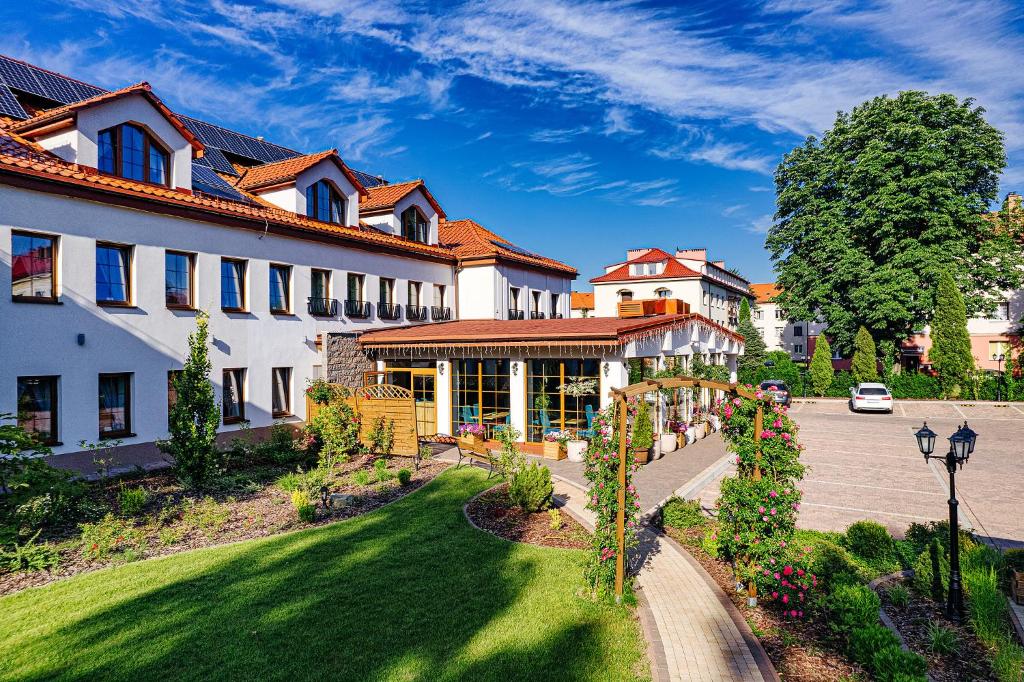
(841, 384)
(834, 565)
(131, 500)
(510, 460)
(941, 640)
(170, 535)
(643, 427)
(950, 353)
(530, 488)
(205, 515)
(554, 519)
(1014, 559)
(310, 481)
(893, 663)
(28, 556)
(290, 482)
(851, 607)
(382, 436)
(1008, 662)
(361, 477)
(899, 596)
(682, 514)
(336, 427)
(109, 538)
(822, 372)
(304, 506)
(380, 469)
(867, 639)
(404, 476)
(986, 605)
(864, 365)
(280, 446)
(924, 572)
(871, 541)
(914, 385)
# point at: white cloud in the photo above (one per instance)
(617, 121)
(760, 224)
(729, 210)
(558, 136)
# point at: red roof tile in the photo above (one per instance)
(285, 170)
(579, 300)
(57, 113)
(764, 293)
(652, 256)
(470, 240)
(386, 196)
(673, 270)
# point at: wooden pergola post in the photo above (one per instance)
(620, 514)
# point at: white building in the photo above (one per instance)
(778, 332)
(707, 287)
(120, 221)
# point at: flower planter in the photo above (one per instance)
(656, 451)
(668, 442)
(577, 450)
(471, 441)
(714, 422)
(642, 455)
(553, 450)
(691, 434)
(1017, 587)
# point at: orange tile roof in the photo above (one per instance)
(580, 300)
(673, 270)
(57, 113)
(470, 240)
(612, 331)
(284, 170)
(386, 196)
(26, 164)
(652, 256)
(764, 293)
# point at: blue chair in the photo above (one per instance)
(589, 432)
(545, 423)
(467, 415)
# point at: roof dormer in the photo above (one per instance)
(317, 185)
(404, 209)
(129, 133)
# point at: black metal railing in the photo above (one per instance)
(514, 314)
(556, 316)
(389, 311)
(357, 309)
(416, 313)
(327, 307)
(534, 315)
(440, 313)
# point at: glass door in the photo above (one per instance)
(481, 394)
(548, 408)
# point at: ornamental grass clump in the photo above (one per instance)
(601, 467)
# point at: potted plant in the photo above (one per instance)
(555, 444)
(643, 432)
(472, 434)
(578, 387)
(669, 439)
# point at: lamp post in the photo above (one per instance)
(961, 445)
(999, 357)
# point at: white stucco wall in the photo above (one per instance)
(484, 291)
(606, 295)
(477, 293)
(149, 339)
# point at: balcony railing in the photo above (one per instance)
(325, 307)
(514, 314)
(389, 311)
(556, 316)
(534, 315)
(416, 313)
(440, 313)
(357, 309)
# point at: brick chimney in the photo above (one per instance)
(635, 253)
(1013, 201)
(694, 254)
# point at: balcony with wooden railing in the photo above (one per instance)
(647, 307)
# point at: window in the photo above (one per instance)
(355, 287)
(32, 267)
(413, 297)
(387, 290)
(325, 203)
(758, 314)
(779, 331)
(549, 409)
(233, 400)
(179, 272)
(997, 348)
(172, 392)
(554, 305)
(513, 298)
(37, 407)
(320, 284)
(280, 289)
(481, 393)
(115, 405)
(232, 285)
(414, 225)
(537, 306)
(439, 291)
(778, 314)
(281, 389)
(625, 295)
(129, 151)
(663, 293)
(798, 331)
(798, 348)
(1002, 311)
(113, 274)
(707, 298)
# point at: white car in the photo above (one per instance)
(873, 397)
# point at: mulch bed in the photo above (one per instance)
(969, 660)
(494, 512)
(241, 506)
(799, 649)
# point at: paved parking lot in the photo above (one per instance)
(868, 466)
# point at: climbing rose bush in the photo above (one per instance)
(601, 468)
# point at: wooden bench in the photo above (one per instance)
(477, 453)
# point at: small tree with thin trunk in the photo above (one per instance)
(821, 366)
(194, 417)
(754, 348)
(950, 353)
(865, 357)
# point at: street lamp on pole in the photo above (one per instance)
(961, 445)
(999, 357)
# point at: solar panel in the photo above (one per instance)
(235, 143)
(367, 179)
(216, 160)
(514, 249)
(43, 83)
(9, 105)
(205, 180)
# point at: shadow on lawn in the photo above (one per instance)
(403, 594)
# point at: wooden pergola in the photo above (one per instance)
(621, 395)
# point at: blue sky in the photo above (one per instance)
(576, 129)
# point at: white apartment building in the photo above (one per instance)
(707, 287)
(778, 332)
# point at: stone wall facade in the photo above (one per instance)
(346, 362)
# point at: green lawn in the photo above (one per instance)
(409, 592)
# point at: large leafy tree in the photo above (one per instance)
(754, 348)
(950, 353)
(871, 214)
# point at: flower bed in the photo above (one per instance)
(494, 512)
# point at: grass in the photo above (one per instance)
(408, 592)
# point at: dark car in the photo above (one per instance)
(778, 390)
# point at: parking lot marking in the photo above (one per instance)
(1017, 408)
(872, 487)
(868, 512)
(957, 408)
(903, 411)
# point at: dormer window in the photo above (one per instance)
(414, 226)
(130, 152)
(325, 203)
